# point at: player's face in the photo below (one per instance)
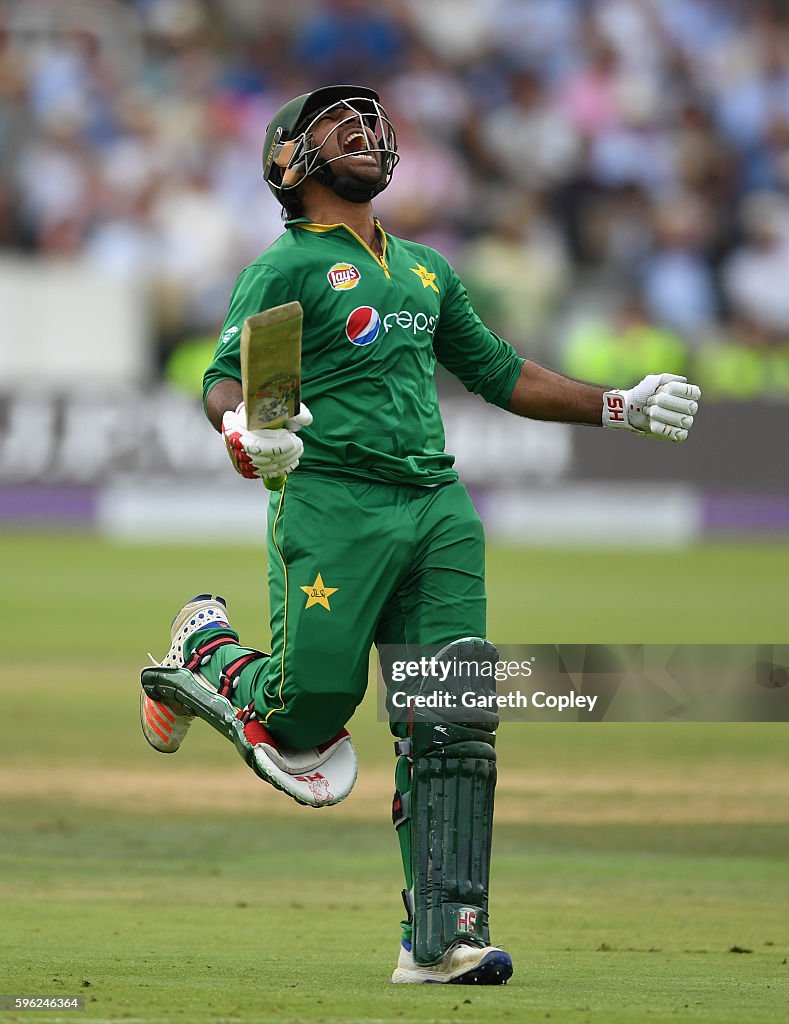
(343, 137)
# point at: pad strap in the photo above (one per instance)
(229, 676)
(203, 651)
(401, 808)
(228, 679)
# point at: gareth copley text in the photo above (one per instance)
(442, 700)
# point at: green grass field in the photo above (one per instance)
(629, 859)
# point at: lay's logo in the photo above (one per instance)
(343, 276)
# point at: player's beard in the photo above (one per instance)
(365, 165)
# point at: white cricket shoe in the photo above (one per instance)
(162, 726)
(462, 965)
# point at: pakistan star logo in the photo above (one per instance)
(428, 280)
(318, 593)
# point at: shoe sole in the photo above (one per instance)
(494, 969)
(159, 719)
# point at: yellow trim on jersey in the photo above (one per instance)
(285, 615)
(323, 228)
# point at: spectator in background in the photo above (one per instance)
(16, 125)
(703, 162)
(615, 230)
(740, 366)
(758, 91)
(632, 28)
(540, 34)
(199, 252)
(529, 140)
(351, 39)
(767, 168)
(703, 29)
(590, 96)
(8, 226)
(64, 79)
(612, 348)
(756, 275)
(122, 241)
(452, 35)
(635, 148)
(187, 362)
(54, 175)
(431, 93)
(677, 279)
(517, 270)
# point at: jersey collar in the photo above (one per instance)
(308, 225)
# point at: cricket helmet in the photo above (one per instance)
(290, 155)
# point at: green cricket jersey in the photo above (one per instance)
(373, 331)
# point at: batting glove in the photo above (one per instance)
(264, 454)
(662, 406)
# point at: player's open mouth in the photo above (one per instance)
(356, 143)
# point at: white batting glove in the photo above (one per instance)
(662, 406)
(264, 454)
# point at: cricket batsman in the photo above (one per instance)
(374, 540)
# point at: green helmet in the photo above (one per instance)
(289, 154)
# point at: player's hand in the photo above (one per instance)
(303, 418)
(662, 406)
(264, 454)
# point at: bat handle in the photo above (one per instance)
(274, 483)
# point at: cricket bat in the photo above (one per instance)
(271, 369)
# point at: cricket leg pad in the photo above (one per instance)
(450, 807)
(316, 777)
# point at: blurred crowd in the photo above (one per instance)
(608, 176)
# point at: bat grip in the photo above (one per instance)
(274, 483)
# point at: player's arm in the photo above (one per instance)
(542, 394)
(660, 406)
(224, 396)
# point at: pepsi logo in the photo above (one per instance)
(363, 325)
(343, 276)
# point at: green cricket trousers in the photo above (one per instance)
(352, 563)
